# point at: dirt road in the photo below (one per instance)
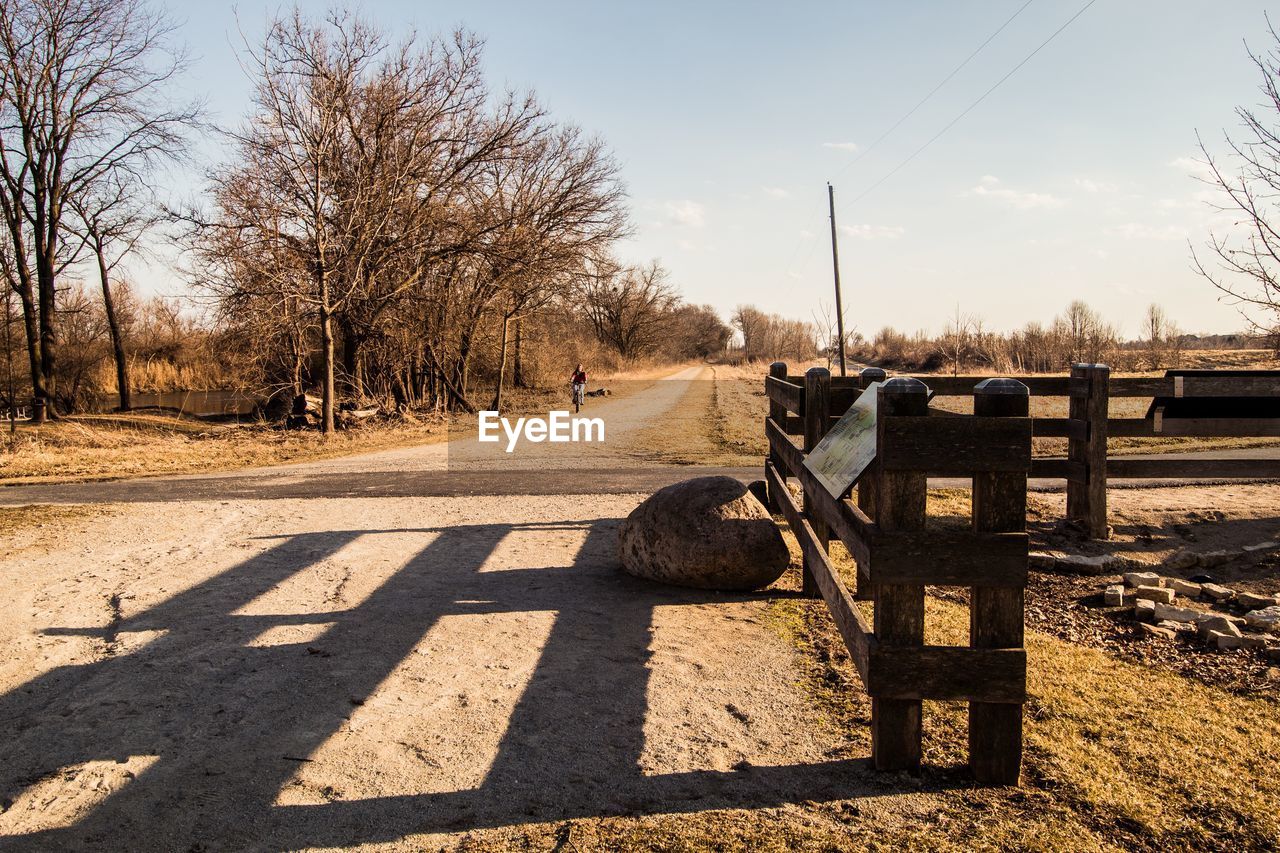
(272, 670)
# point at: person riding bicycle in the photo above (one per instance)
(579, 383)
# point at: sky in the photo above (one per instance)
(1074, 178)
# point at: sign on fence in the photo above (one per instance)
(848, 448)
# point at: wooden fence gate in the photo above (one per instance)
(897, 553)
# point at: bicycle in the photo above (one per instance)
(579, 395)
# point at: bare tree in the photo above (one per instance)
(1247, 263)
(81, 96)
(628, 306)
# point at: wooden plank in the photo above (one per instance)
(947, 673)
(942, 558)
(996, 613)
(1230, 386)
(1056, 468)
(962, 386)
(1139, 386)
(1229, 469)
(955, 446)
(817, 395)
(777, 414)
(790, 456)
(899, 608)
(1231, 427)
(785, 394)
(849, 620)
(1058, 428)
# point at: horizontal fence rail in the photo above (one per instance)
(1086, 467)
(897, 555)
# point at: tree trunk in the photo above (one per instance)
(328, 388)
(518, 379)
(502, 366)
(46, 292)
(113, 326)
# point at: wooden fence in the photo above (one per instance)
(1087, 427)
(897, 554)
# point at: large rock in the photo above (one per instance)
(708, 533)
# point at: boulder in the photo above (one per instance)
(1113, 596)
(1162, 612)
(707, 533)
(1145, 611)
(1221, 641)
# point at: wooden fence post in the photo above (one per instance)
(817, 408)
(1087, 497)
(867, 487)
(899, 608)
(778, 414)
(996, 613)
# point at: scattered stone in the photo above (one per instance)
(1216, 592)
(1182, 561)
(1113, 596)
(1253, 601)
(1175, 614)
(1145, 611)
(1176, 626)
(1157, 631)
(1141, 579)
(1222, 642)
(1218, 625)
(1266, 619)
(1079, 564)
(1253, 642)
(1261, 546)
(1159, 594)
(1044, 561)
(1181, 587)
(1210, 559)
(709, 533)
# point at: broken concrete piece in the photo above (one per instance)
(1181, 587)
(1141, 579)
(1182, 560)
(1217, 624)
(1253, 642)
(1222, 642)
(1102, 564)
(1157, 631)
(1216, 592)
(1160, 594)
(1266, 619)
(1176, 626)
(1044, 561)
(1113, 596)
(1145, 611)
(1253, 601)
(1176, 614)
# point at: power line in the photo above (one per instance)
(972, 106)
(945, 80)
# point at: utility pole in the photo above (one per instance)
(835, 266)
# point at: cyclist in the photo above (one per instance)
(579, 383)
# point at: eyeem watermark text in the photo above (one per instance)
(558, 426)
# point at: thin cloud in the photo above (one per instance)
(687, 213)
(1193, 167)
(851, 147)
(873, 232)
(989, 187)
(776, 192)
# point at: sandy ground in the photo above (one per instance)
(286, 674)
(244, 673)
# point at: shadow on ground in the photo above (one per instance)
(228, 722)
